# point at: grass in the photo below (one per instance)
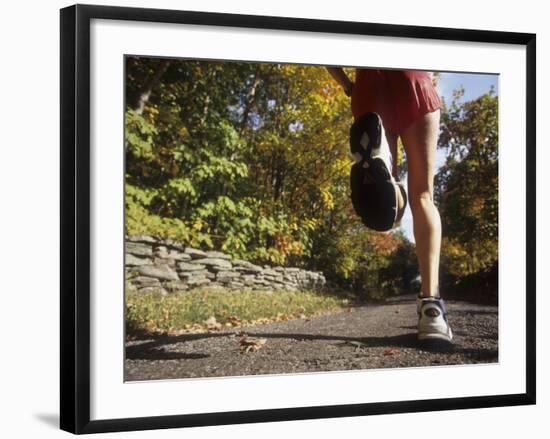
(191, 309)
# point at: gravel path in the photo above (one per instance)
(373, 336)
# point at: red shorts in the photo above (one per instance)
(400, 97)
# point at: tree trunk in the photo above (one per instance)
(144, 94)
(250, 99)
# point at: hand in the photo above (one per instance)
(341, 78)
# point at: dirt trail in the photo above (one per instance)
(374, 336)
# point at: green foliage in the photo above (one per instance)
(370, 264)
(467, 186)
(251, 159)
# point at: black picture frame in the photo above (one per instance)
(75, 217)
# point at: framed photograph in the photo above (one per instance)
(275, 218)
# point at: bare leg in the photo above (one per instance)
(420, 142)
(392, 143)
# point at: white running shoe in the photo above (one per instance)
(432, 319)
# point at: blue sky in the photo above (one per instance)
(474, 85)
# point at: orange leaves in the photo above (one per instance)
(391, 351)
(385, 244)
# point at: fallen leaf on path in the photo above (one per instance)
(250, 344)
(282, 317)
(391, 351)
(357, 344)
(234, 321)
(211, 323)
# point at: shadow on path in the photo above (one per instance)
(153, 350)
(134, 353)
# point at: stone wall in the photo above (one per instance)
(166, 266)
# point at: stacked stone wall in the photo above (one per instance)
(163, 265)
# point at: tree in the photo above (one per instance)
(467, 185)
(249, 158)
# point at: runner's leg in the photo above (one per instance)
(420, 142)
(391, 137)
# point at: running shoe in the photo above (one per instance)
(432, 319)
